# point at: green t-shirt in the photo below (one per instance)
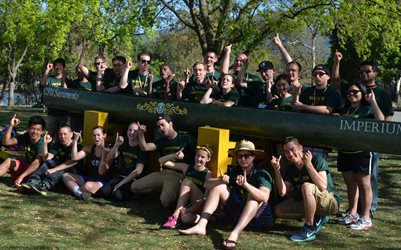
(362, 111)
(298, 177)
(259, 177)
(214, 75)
(137, 81)
(107, 78)
(31, 149)
(129, 157)
(182, 140)
(159, 90)
(61, 152)
(197, 177)
(281, 104)
(79, 85)
(194, 92)
(218, 94)
(329, 96)
(253, 94)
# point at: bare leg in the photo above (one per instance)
(366, 193)
(6, 165)
(185, 192)
(250, 210)
(91, 186)
(32, 168)
(218, 194)
(72, 180)
(309, 203)
(352, 191)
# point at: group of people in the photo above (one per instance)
(302, 180)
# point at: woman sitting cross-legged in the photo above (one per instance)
(244, 191)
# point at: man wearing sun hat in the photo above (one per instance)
(244, 191)
(309, 189)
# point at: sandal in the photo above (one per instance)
(227, 241)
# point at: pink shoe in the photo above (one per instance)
(171, 222)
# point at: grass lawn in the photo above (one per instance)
(30, 221)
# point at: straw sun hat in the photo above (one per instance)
(245, 145)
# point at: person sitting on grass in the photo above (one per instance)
(130, 162)
(56, 161)
(356, 166)
(223, 95)
(84, 186)
(31, 141)
(192, 187)
(168, 180)
(244, 191)
(309, 187)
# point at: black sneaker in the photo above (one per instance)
(39, 188)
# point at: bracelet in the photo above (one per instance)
(99, 78)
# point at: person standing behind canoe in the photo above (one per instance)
(223, 95)
(196, 86)
(55, 118)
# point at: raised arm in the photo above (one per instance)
(169, 161)
(145, 146)
(283, 187)
(335, 72)
(81, 63)
(370, 98)
(225, 61)
(260, 194)
(75, 154)
(47, 139)
(283, 51)
(7, 139)
(124, 79)
(318, 178)
(49, 67)
(206, 99)
(114, 153)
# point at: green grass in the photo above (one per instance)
(30, 221)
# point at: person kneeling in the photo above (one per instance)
(244, 191)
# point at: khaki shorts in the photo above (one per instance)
(325, 201)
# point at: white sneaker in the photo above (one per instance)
(348, 219)
(362, 224)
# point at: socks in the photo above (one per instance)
(77, 191)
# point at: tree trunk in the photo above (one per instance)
(13, 67)
(11, 91)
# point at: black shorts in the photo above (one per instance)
(361, 162)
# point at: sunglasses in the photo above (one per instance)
(245, 156)
(98, 63)
(353, 92)
(318, 74)
(365, 72)
(145, 61)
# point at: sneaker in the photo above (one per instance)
(171, 222)
(304, 234)
(362, 224)
(86, 196)
(320, 221)
(40, 188)
(348, 219)
(26, 185)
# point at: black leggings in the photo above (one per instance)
(122, 194)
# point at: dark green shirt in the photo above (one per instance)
(197, 177)
(258, 177)
(182, 140)
(129, 157)
(159, 90)
(218, 94)
(298, 177)
(31, 149)
(281, 104)
(194, 92)
(137, 81)
(330, 97)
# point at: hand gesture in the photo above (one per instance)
(47, 138)
(241, 179)
(142, 128)
(181, 85)
(277, 41)
(49, 67)
(187, 74)
(370, 98)
(76, 135)
(128, 65)
(224, 178)
(228, 48)
(119, 140)
(276, 163)
(337, 56)
(306, 157)
(179, 155)
(14, 121)
(86, 45)
(296, 90)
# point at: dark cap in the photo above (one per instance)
(321, 67)
(265, 65)
(164, 117)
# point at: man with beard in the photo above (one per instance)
(166, 87)
(55, 118)
(167, 181)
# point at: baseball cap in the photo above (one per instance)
(265, 65)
